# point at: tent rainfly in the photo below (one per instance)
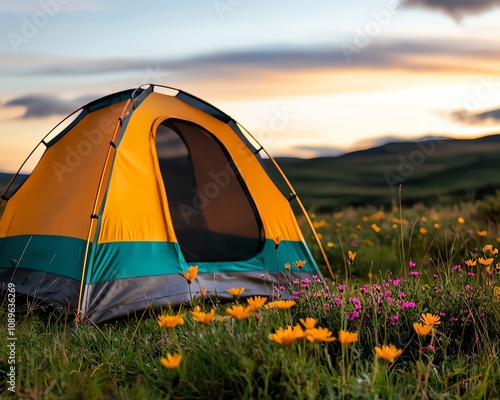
(139, 186)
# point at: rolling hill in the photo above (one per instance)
(440, 170)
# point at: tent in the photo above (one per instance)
(138, 186)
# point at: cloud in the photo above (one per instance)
(490, 117)
(455, 8)
(410, 55)
(39, 106)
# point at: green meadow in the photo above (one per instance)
(412, 310)
(422, 281)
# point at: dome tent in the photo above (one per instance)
(139, 186)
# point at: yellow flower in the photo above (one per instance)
(320, 335)
(191, 274)
(485, 261)
(460, 220)
(497, 292)
(330, 244)
(375, 228)
(423, 231)
(490, 249)
(299, 264)
(430, 319)
(236, 291)
(281, 304)
(308, 323)
(423, 219)
(388, 353)
(346, 337)
(202, 317)
(421, 329)
(171, 321)
(172, 360)
(482, 233)
(437, 226)
(239, 312)
(256, 302)
(277, 241)
(351, 255)
(287, 336)
(287, 266)
(470, 263)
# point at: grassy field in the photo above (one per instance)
(430, 172)
(391, 267)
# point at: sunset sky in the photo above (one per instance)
(308, 78)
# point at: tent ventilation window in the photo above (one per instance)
(214, 217)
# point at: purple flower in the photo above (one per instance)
(396, 282)
(415, 273)
(470, 273)
(393, 321)
(468, 287)
(401, 295)
(408, 304)
(341, 288)
(435, 276)
(457, 268)
(412, 264)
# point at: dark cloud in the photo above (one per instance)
(378, 54)
(456, 8)
(39, 106)
(482, 118)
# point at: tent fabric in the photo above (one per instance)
(140, 186)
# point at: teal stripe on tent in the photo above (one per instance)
(121, 260)
(58, 255)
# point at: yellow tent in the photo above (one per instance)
(138, 187)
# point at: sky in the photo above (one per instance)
(307, 78)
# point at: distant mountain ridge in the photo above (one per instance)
(436, 169)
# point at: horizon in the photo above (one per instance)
(307, 80)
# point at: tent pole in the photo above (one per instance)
(93, 216)
(299, 202)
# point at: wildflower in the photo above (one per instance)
(281, 304)
(320, 335)
(202, 317)
(277, 241)
(330, 244)
(375, 228)
(346, 337)
(351, 255)
(191, 274)
(172, 360)
(490, 249)
(256, 302)
(469, 287)
(299, 264)
(423, 231)
(460, 220)
(388, 353)
(341, 288)
(470, 263)
(412, 264)
(236, 291)
(497, 292)
(287, 266)
(437, 226)
(457, 268)
(429, 319)
(309, 323)
(239, 312)
(485, 261)
(421, 329)
(171, 321)
(482, 233)
(415, 273)
(287, 336)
